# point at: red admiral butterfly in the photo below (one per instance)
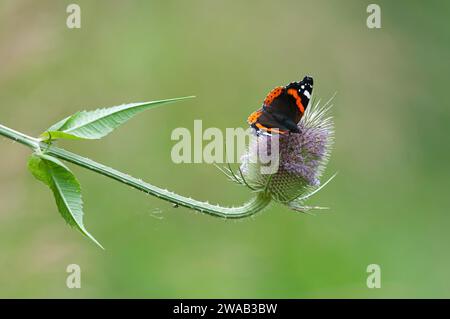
(283, 108)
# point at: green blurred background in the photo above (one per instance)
(389, 202)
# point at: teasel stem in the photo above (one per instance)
(260, 201)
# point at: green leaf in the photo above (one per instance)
(99, 123)
(65, 187)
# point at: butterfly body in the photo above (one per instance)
(283, 108)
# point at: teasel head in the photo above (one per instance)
(289, 167)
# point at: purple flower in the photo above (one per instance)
(288, 167)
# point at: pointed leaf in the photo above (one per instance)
(57, 126)
(99, 123)
(65, 187)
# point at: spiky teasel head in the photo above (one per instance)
(289, 167)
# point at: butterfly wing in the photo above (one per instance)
(283, 108)
(278, 114)
(272, 122)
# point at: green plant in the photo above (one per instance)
(46, 166)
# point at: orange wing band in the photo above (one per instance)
(276, 92)
(253, 117)
(298, 100)
(270, 130)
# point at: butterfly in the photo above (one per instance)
(283, 108)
